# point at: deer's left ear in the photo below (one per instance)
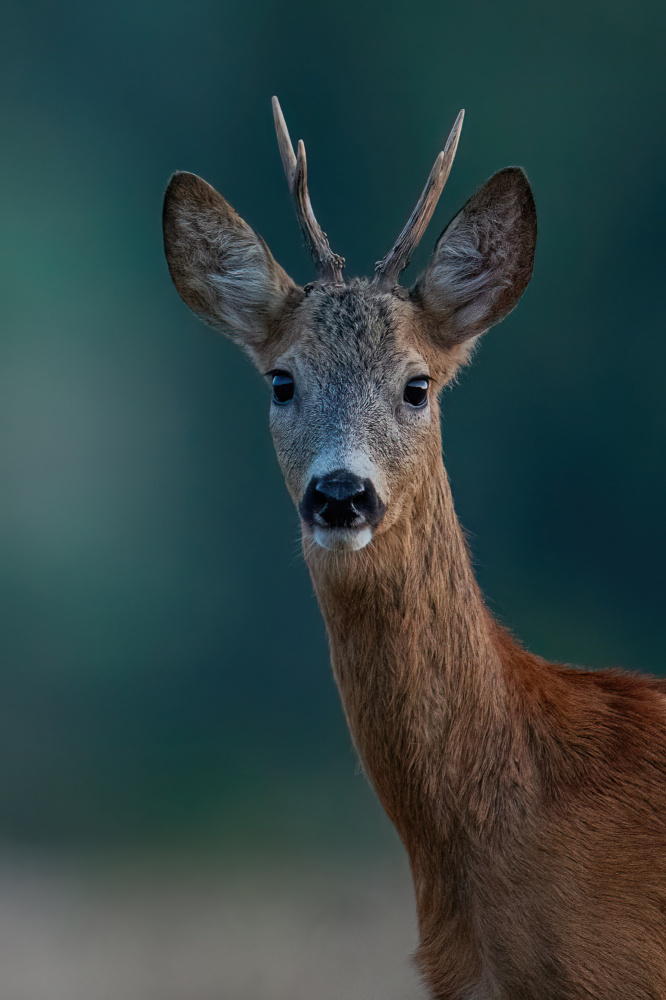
(482, 262)
(221, 268)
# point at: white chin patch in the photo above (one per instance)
(339, 539)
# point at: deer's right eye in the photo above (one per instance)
(283, 387)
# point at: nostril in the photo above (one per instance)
(359, 500)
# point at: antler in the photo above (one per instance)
(388, 270)
(328, 264)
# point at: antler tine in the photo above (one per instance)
(389, 269)
(328, 264)
(284, 142)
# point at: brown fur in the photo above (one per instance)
(530, 797)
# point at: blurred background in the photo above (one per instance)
(181, 815)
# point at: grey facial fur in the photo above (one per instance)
(348, 412)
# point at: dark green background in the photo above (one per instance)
(164, 675)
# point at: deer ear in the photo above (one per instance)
(482, 262)
(221, 268)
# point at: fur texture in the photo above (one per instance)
(530, 797)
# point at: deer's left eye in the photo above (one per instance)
(416, 392)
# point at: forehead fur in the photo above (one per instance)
(351, 313)
(357, 326)
(351, 324)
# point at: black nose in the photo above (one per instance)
(342, 500)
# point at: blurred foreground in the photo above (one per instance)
(175, 931)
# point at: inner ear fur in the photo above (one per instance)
(483, 261)
(221, 268)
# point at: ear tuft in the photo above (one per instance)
(221, 268)
(483, 261)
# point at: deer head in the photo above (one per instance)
(355, 367)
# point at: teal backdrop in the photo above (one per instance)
(164, 675)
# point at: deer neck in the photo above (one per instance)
(420, 674)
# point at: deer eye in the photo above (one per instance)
(283, 387)
(416, 392)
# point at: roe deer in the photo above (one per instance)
(530, 797)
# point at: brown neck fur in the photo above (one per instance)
(420, 670)
(412, 643)
(490, 762)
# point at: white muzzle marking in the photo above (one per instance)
(343, 539)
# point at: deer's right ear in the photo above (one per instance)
(221, 268)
